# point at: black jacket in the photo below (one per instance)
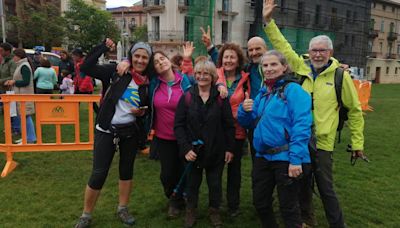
(211, 122)
(118, 85)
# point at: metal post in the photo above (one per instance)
(3, 18)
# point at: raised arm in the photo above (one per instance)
(279, 42)
(90, 66)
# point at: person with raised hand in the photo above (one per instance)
(317, 71)
(119, 125)
(281, 118)
(166, 89)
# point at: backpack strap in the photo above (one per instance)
(338, 85)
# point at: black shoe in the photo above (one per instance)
(83, 222)
(125, 217)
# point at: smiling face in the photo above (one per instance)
(140, 60)
(272, 67)
(230, 60)
(256, 47)
(161, 63)
(319, 54)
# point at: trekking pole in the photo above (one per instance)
(196, 147)
(354, 156)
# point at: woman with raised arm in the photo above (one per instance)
(166, 89)
(118, 124)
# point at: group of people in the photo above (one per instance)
(21, 74)
(283, 103)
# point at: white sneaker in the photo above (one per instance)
(18, 141)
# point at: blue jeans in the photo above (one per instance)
(30, 129)
(16, 124)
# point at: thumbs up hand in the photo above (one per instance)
(247, 103)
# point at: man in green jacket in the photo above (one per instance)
(319, 69)
(7, 66)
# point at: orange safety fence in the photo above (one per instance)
(50, 109)
(364, 93)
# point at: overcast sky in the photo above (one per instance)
(116, 3)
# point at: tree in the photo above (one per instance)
(139, 33)
(38, 24)
(87, 26)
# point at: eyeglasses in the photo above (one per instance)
(320, 51)
(204, 74)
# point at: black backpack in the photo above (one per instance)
(343, 111)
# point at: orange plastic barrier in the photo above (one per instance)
(364, 93)
(55, 109)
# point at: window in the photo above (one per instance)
(368, 70)
(370, 45)
(387, 70)
(133, 21)
(393, 9)
(224, 37)
(348, 15)
(391, 27)
(398, 49)
(188, 22)
(346, 40)
(383, 7)
(353, 40)
(372, 24)
(317, 14)
(395, 70)
(354, 17)
(373, 5)
(156, 28)
(283, 5)
(225, 5)
(382, 26)
(300, 10)
(380, 47)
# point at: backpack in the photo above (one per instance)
(343, 111)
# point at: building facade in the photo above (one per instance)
(345, 22)
(100, 4)
(383, 65)
(170, 23)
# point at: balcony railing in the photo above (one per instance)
(166, 36)
(149, 5)
(391, 56)
(392, 36)
(372, 33)
(183, 5)
(372, 54)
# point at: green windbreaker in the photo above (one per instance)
(326, 112)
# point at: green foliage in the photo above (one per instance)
(39, 25)
(139, 33)
(46, 189)
(87, 26)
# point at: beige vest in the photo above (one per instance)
(30, 108)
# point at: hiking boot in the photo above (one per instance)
(215, 217)
(173, 212)
(190, 217)
(83, 222)
(125, 217)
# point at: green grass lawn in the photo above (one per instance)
(46, 189)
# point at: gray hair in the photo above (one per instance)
(321, 38)
(208, 67)
(282, 59)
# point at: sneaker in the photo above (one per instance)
(18, 141)
(83, 222)
(125, 217)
